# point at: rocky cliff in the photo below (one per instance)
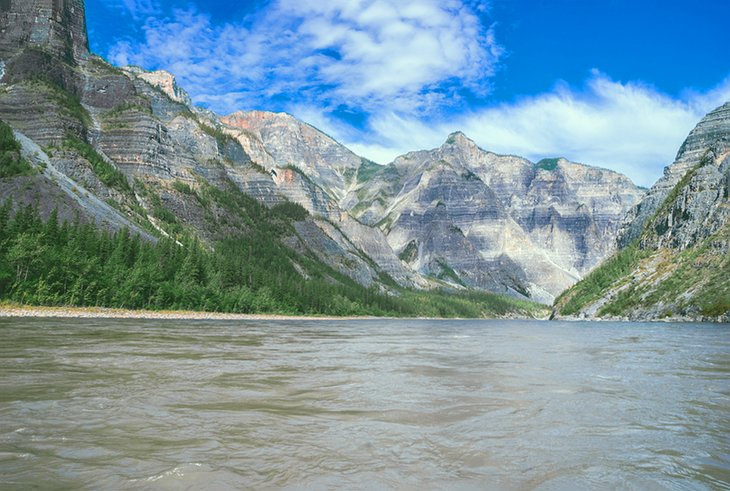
(708, 139)
(674, 261)
(290, 143)
(491, 221)
(133, 144)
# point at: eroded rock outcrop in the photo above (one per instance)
(456, 215)
(127, 148)
(288, 142)
(708, 140)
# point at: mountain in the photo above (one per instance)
(674, 260)
(125, 149)
(491, 221)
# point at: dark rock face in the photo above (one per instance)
(58, 26)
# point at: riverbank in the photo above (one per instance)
(15, 310)
(107, 313)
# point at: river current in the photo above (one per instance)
(372, 404)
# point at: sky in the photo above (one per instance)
(612, 83)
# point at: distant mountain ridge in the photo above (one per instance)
(493, 221)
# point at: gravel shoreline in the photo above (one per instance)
(103, 313)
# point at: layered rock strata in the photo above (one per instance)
(498, 222)
(456, 215)
(58, 26)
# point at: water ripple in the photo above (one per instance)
(125, 404)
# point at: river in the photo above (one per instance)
(372, 404)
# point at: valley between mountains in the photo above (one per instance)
(118, 191)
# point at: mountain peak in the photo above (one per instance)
(711, 132)
(166, 82)
(458, 138)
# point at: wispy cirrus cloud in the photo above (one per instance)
(629, 127)
(137, 9)
(414, 55)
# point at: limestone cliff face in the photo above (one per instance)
(166, 82)
(675, 260)
(312, 169)
(58, 26)
(88, 120)
(496, 222)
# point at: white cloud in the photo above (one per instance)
(370, 54)
(400, 62)
(136, 8)
(628, 127)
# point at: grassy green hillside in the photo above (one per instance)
(666, 283)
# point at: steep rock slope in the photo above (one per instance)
(50, 189)
(314, 170)
(674, 262)
(490, 221)
(456, 215)
(711, 134)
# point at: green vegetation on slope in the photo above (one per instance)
(75, 264)
(106, 172)
(654, 228)
(548, 164)
(291, 211)
(68, 102)
(594, 286)
(689, 282)
(696, 280)
(125, 107)
(367, 170)
(11, 162)
(221, 138)
(446, 273)
(410, 253)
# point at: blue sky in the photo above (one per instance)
(614, 83)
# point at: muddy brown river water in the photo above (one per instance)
(376, 404)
